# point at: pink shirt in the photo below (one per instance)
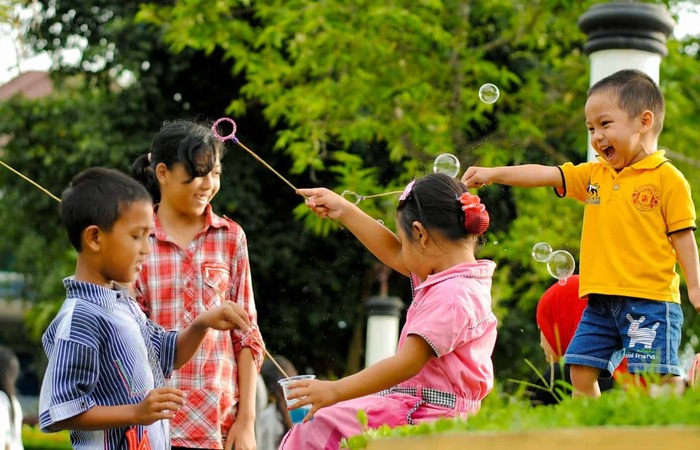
(451, 310)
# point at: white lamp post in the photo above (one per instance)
(625, 35)
(383, 314)
(382, 328)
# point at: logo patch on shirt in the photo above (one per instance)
(592, 196)
(646, 197)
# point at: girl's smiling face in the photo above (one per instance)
(615, 136)
(189, 196)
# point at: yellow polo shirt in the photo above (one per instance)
(625, 244)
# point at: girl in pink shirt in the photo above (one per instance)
(442, 367)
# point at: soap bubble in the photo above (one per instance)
(561, 265)
(489, 93)
(447, 164)
(541, 251)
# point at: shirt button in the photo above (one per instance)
(616, 187)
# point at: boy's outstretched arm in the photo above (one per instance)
(687, 253)
(160, 403)
(527, 175)
(377, 238)
(226, 316)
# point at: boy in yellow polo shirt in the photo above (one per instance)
(639, 220)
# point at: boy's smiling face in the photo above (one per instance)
(123, 250)
(618, 138)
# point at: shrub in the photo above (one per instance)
(503, 413)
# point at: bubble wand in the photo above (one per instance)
(250, 333)
(445, 163)
(232, 137)
(360, 197)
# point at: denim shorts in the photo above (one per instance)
(648, 332)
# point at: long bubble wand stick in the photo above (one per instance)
(32, 182)
(232, 137)
(253, 328)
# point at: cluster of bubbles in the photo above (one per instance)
(449, 164)
(560, 263)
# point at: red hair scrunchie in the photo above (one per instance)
(476, 218)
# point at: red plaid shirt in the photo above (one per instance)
(176, 285)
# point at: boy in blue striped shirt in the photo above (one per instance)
(105, 380)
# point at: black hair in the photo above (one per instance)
(271, 375)
(98, 196)
(433, 201)
(9, 372)
(635, 92)
(185, 142)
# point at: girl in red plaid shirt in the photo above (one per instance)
(199, 260)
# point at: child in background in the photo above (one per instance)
(107, 362)
(10, 409)
(639, 221)
(558, 314)
(443, 366)
(693, 375)
(199, 260)
(274, 421)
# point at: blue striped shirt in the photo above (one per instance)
(103, 350)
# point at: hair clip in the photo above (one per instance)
(406, 192)
(476, 218)
(470, 201)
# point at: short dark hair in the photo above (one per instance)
(189, 143)
(433, 201)
(98, 196)
(635, 92)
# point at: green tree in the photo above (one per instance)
(336, 77)
(352, 95)
(93, 120)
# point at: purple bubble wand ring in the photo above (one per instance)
(232, 137)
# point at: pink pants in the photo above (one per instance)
(339, 421)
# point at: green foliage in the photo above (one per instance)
(365, 95)
(300, 280)
(351, 95)
(503, 413)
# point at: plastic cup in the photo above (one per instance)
(297, 415)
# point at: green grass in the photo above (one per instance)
(502, 413)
